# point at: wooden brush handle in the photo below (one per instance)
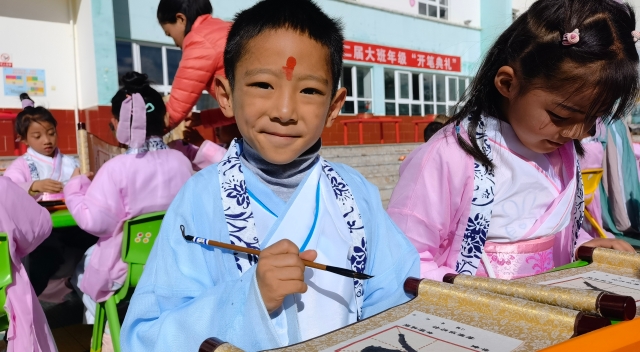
(257, 252)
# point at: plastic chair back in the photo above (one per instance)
(138, 237)
(591, 180)
(5, 279)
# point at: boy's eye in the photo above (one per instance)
(312, 91)
(261, 85)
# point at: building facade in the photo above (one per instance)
(404, 59)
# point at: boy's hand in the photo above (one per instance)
(48, 186)
(610, 243)
(280, 272)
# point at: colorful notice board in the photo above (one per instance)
(24, 80)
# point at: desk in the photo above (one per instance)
(62, 218)
(428, 120)
(345, 123)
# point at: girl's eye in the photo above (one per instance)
(311, 91)
(557, 117)
(261, 85)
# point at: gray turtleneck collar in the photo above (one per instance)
(281, 179)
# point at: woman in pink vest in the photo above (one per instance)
(202, 39)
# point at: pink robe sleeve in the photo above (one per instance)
(18, 172)
(27, 224)
(432, 195)
(208, 154)
(93, 205)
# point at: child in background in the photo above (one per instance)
(431, 129)
(202, 39)
(272, 191)
(27, 224)
(498, 191)
(43, 170)
(143, 180)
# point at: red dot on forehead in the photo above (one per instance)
(288, 70)
(291, 62)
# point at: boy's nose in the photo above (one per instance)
(285, 106)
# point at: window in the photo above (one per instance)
(159, 62)
(419, 94)
(357, 81)
(434, 8)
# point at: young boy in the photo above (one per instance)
(272, 191)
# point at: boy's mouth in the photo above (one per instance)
(281, 135)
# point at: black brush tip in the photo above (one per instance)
(348, 273)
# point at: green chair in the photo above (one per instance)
(5, 279)
(138, 237)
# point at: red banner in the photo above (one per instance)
(378, 54)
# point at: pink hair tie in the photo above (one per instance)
(636, 36)
(26, 102)
(571, 38)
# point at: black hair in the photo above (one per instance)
(302, 16)
(604, 62)
(191, 9)
(431, 129)
(32, 114)
(134, 82)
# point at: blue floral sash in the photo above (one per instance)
(475, 234)
(150, 145)
(241, 224)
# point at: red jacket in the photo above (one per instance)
(202, 59)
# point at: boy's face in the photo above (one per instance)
(282, 94)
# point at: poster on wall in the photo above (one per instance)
(24, 80)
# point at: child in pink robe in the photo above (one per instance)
(498, 191)
(27, 224)
(143, 180)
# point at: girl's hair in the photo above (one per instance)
(191, 9)
(134, 82)
(604, 62)
(32, 114)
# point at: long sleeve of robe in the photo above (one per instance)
(27, 224)
(125, 187)
(190, 292)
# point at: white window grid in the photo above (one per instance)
(165, 87)
(354, 89)
(453, 93)
(441, 7)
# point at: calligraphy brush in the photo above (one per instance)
(340, 271)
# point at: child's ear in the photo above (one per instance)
(336, 106)
(506, 82)
(223, 95)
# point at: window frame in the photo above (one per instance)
(437, 4)
(165, 87)
(354, 89)
(448, 104)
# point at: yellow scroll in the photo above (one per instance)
(582, 300)
(532, 325)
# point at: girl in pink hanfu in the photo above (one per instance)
(498, 192)
(43, 170)
(143, 180)
(27, 224)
